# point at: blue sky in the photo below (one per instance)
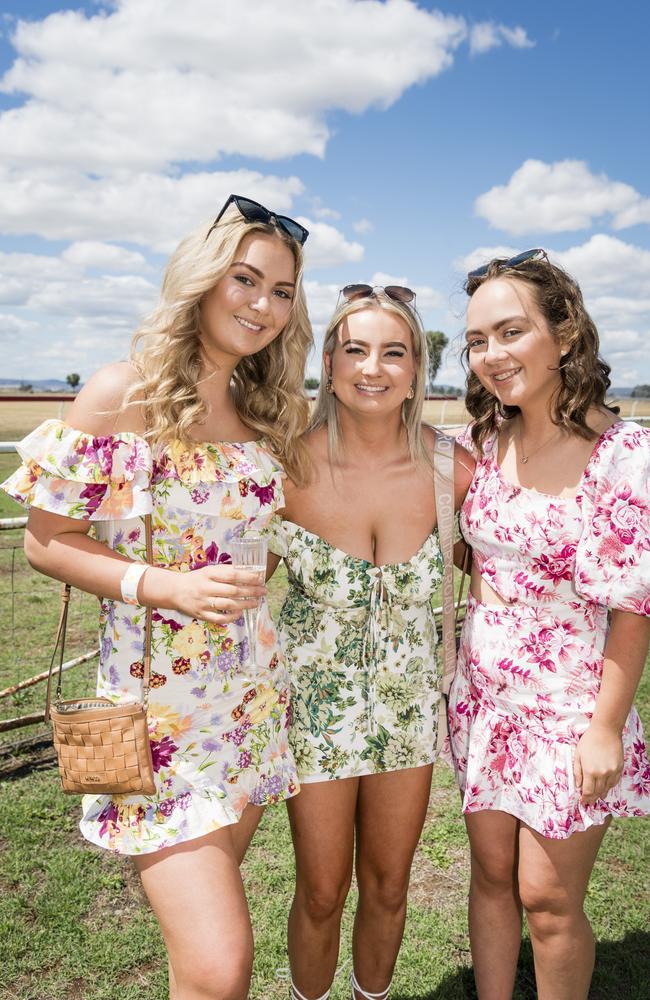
(413, 139)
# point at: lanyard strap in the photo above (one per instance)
(443, 478)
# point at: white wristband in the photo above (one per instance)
(130, 580)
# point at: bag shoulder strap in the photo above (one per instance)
(59, 642)
(443, 479)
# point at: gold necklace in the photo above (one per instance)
(526, 458)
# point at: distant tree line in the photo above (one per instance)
(641, 392)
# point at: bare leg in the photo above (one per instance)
(322, 827)
(494, 904)
(242, 832)
(553, 879)
(390, 814)
(196, 892)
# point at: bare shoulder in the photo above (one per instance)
(296, 495)
(600, 420)
(98, 409)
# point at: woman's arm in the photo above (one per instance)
(60, 547)
(599, 754)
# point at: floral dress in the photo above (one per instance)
(529, 671)
(218, 728)
(359, 641)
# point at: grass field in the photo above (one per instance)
(73, 922)
(18, 419)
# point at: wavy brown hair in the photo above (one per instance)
(584, 376)
(267, 387)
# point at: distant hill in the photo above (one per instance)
(623, 393)
(38, 385)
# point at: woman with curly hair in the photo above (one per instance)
(361, 547)
(195, 430)
(546, 743)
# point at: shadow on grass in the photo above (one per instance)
(622, 970)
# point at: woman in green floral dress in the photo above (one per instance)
(364, 563)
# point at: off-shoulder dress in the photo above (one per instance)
(218, 729)
(529, 671)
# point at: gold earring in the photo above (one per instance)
(329, 387)
(411, 393)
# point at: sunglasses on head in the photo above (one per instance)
(506, 262)
(252, 211)
(398, 293)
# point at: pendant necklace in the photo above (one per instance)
(526, 458)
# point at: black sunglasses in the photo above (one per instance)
(398, 293)
(515, 261)
(252, 211)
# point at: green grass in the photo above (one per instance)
(73, 921)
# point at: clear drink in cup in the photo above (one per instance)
(249, 552)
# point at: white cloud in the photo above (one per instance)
(63, 316)
(104, 256)
(154, 82)
(481, 255)
(426, 297)
(363, 226)
(559, 197)
(327, 247)
(113, 295)
(12, 326)
(113, 104)
(486, 35)
(605, 264)
(147, 209)
(321, 211)
(321, 299)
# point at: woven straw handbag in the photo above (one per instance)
(102, 747)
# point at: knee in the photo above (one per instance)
(224, 975)
(493, 874)
(384, 890)
(322, 900)
(549, 909)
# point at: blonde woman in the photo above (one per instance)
(176, 431)
(360, 544)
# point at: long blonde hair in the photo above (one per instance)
(325, 409)
(267, 387)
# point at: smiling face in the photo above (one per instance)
(511, 348)
(372, 366)
(251, 304)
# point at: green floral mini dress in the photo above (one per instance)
(359, 642)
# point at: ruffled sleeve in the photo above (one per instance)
(68, 472)
(613, 555)
(278, 536)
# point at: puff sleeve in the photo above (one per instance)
(613, 555)
(68, 472)
(278, 536)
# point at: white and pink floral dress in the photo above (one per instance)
(529, 671)
(218, 727)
